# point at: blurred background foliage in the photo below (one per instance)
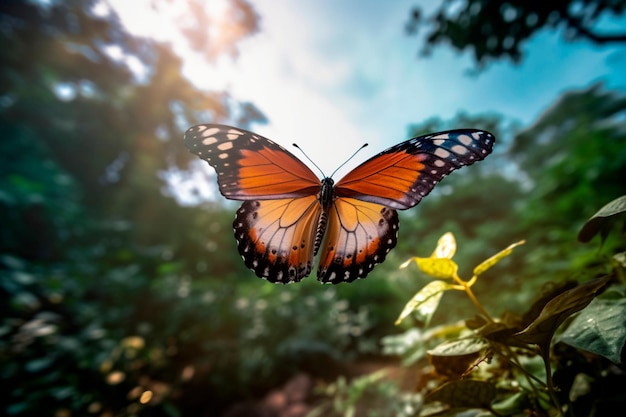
(119, 300)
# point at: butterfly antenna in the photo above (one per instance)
(348, 160)
(310, 160)
(338, 168)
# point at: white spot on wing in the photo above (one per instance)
(458, 149)
(224, 146)
(442, 153)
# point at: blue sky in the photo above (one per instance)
(333, 74)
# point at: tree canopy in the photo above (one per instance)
(494, 30)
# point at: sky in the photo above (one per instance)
(334, 74)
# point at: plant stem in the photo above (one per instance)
(468, 290)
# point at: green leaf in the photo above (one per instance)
(599, 329)
(459, 347)
(557, 310)
(466, 393)
(513, 404)
(454, 358)
(412, 345)
(425, 302)
(601, 220)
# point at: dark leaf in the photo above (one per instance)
(455, 357)
(555, 312)
(465, 394)
(602, 219)
(599, 329)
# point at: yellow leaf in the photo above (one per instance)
(425, 302)
(486, 264)
(437, 267)
(408, 261)
(446, 247)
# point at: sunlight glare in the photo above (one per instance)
(217, 9)
(140, 17)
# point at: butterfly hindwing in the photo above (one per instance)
(276, 238)
(249, 166)
(359, 235)
(402, 175)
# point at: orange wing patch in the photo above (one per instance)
(385, 179)
(249, 166)
(359, 236)
(271, 172)
(402, 175)
(276, 237)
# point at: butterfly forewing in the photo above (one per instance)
(402, 175)
(359, 236)
(249, 166)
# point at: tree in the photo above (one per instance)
(496, 29)
(81, 105)
(574, 161)
(90, 245)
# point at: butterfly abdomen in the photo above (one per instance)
(321, 230)
(325, 198)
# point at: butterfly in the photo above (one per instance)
(288, 214)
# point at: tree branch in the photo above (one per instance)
(592, 36)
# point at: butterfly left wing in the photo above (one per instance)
(359, 236)
(276, 238)
(402, 175)
(249, 166)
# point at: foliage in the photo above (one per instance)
(217, 338)
(369, 396)
(491, 364)
(601, 221)
(494, 30)
(574, 160)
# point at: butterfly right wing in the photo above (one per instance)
(249, 166)
(402, 175)
(276, 238)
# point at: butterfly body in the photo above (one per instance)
(288, 214)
